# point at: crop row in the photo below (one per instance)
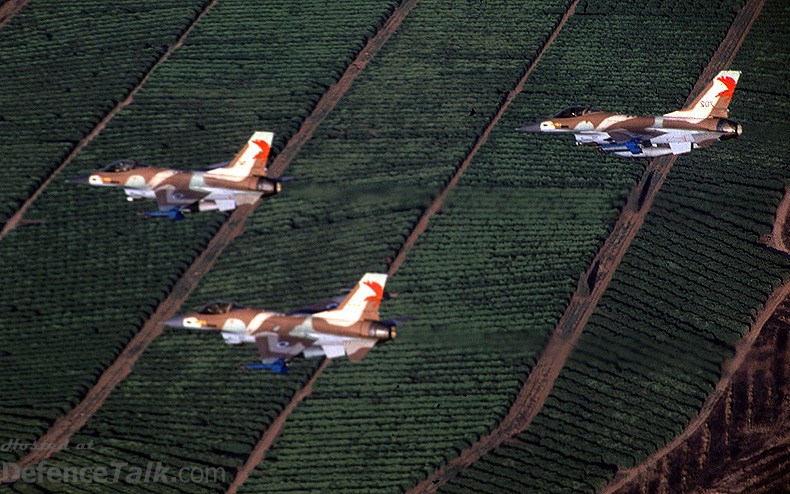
(493, 273)
(64, 68)
(83, 281)
(685, 292)
(325, 230)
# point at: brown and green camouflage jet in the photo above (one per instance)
(242, 180)
(348, 325)
(702, 123)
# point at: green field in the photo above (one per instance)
(486, 283)
(685, 293)
(93, 271)
(68, 66)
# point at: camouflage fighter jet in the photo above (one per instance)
(223, 187)
(346, 325)
(698, 125)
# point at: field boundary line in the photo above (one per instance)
(68, 424)
(729, 370)
(9, 9)
(780, 222)
(438, 202)
(15, 219)
(540, 380)
(273, 431)
(263, 445)
(410, 240)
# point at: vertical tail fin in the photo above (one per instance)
(714, 99)
(362, 302)
(251, 160)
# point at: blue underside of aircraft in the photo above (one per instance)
(174, 214)
(632, 145)
(277, 366)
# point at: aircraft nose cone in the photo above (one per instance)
(82, 179)
(533, 127)
(175, 322)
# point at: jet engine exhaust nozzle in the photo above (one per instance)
(729, 129)
(382, 331)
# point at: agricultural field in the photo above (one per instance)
(93, 271)
(486, 283)
(55, 57)
(685, 293)
(310, 242)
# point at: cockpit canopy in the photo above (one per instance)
(215, 308)
(574, 111)
(122, 166)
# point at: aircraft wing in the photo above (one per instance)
(170, 197)
(616, 136)
(328, 304)
(357, 348)
(281, 346)
(621, 136)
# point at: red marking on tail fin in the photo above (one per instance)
(264, 152)
(730, 83)
(378, 291)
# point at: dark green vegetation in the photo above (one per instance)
(93, 271)
(490, 278)
(65, 66)
(362, 183)
(685, 292)
(486, 282)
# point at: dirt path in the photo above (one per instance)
(9, 10)
(17, 217)
(781, 225)
(263, 445)
(266, 441)
(743, 349)
(592, 285)
(329, 101)
(67, 425)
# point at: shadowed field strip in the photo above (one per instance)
(17, 217)
(593, 283)
(259, 452)
(9, 9)
(67, 425)
(624, 478)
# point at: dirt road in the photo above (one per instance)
(774, 316)
(17, 217)
(67, 425)
(9, 9)
(592, 284)
(262, 447)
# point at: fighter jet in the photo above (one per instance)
(346, 325)
(698, 125)
(223, 187)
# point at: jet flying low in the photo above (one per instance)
(342, 326)
(703, 122)
(243, 180)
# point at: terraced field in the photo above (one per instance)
(311, 228)
(68, 66)
(682, 297)
(487, 282)
(110, 268)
